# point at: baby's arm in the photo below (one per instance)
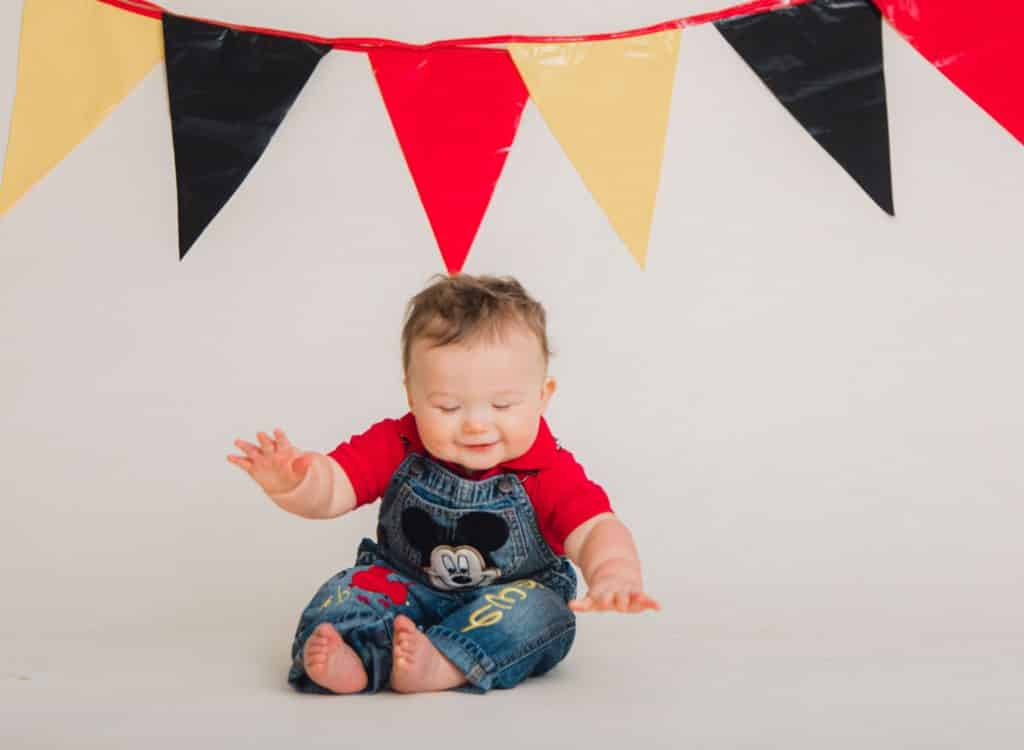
(603, 549)
(324, 492)
(310, 485)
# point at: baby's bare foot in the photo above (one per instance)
(418, 667)
(331, 663)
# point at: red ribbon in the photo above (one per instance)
(364, 44)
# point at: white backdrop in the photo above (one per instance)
(808, 412)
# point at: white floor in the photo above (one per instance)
(651, 681)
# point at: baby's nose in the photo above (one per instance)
(472, 426)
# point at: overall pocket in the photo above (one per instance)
(416, 528)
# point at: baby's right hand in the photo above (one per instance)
(275, 464)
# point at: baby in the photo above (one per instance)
(467, 585)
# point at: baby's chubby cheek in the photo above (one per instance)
(448, 452)
(440, 446)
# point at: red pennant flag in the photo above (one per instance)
(455, 112)
(976, 45)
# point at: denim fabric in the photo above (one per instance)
(465, 560)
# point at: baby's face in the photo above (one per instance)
(479, 404)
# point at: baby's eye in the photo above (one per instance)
(501, 407)
(448, 409)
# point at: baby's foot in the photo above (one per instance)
(331, 663)
(418, 667)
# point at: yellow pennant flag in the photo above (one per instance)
(607, 105)
(77, 60)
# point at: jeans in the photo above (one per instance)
(496, 635)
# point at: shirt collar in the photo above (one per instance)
(541, 454)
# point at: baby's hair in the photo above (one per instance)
(462, 307)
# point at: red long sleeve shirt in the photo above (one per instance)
(562, 495)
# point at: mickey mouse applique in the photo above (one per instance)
(456, 558)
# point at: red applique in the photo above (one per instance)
(376, 579)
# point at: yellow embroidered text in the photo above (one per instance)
(492, 612)
(342, 594)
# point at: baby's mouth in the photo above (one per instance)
(479, 446)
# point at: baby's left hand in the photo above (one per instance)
(614, 594)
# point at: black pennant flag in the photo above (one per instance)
(823, 60)
(229, 91)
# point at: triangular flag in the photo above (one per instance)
(229, 90)
(607, 104)
(455, 112)
(976, 45)
(76, 61)
(823, 61)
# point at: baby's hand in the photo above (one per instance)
(275, 465)
(619, 601)
(613, 592)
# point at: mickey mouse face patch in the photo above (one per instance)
(456, 558)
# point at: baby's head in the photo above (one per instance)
(475, 355)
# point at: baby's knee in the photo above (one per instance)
(520, 606)
(361, 587)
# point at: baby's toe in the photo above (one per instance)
(325, 631)
(313, 656)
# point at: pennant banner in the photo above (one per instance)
(977, 45)
(607, 104)
(455, 112)
(229, 91)
(77, 60)
(823, 61)
(456, 104)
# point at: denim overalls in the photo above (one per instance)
(465, 560)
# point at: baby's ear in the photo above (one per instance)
(547, 391)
